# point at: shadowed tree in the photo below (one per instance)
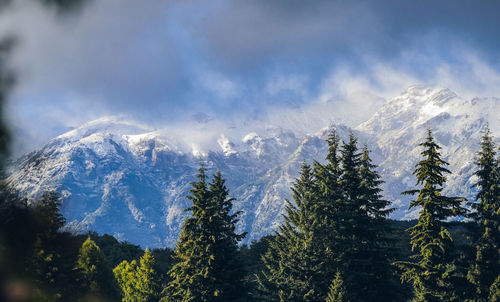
(207, 268)
(486, 265)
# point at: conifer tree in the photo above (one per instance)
(431, 242)
(373, 278)
(95, 275)
(495, 290)
(331, 208)
(337, 291)
(295, 262)
(486, 266)
(365, 259)
(138, 282)
(206, 248)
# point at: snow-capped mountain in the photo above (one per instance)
(121, 177)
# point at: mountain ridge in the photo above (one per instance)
(125, 178)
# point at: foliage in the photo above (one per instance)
(431, 270)
(208, 268)
(138, 281)
(486, 265)
(337, 291)
(94, 272)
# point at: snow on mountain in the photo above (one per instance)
(457, 124)
(121, 177)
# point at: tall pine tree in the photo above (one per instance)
(207, 269)
(372, 270)
(295, 262)
(365, 260)
(431, 242)
(486, 266)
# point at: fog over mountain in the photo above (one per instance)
(130, 179)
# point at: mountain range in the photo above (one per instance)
(124, 178)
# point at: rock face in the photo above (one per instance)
(125, 179)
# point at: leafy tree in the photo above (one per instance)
(207, 269)
(486, 266)
(95, 276)
(337, 291)
(430, 271)
(138, 282)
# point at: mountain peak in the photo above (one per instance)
(116, 124)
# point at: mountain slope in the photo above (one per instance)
(120, 177)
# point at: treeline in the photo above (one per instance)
(335, 243)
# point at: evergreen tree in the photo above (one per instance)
(138, 282)
(430, 272)
(206, 248)
(365, 259)
(295, 262)
(495, 290)
(337, 291)
(486, 266)
(96, 277)
(372, 273)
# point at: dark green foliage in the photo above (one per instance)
(486, 265)
(164, 261)
(337, 291)
(208, 268)
(251, 257)
(94, 273)
(115, 251)
(431, 271)
(296, 261)
(337, 223)
(367, 235)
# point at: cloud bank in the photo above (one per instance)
(248, 63)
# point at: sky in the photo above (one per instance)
(240, 63)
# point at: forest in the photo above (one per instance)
(335, 243)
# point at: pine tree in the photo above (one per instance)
(207, 247)
(44, 263)
(486, 266)
(95, 275)
(331, 209)
(337, 291)
(431, 241)
(495, 290)
(295, 262)
(372, 271)
(366, 249)
(138, 282)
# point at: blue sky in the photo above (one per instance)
(175, 62)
